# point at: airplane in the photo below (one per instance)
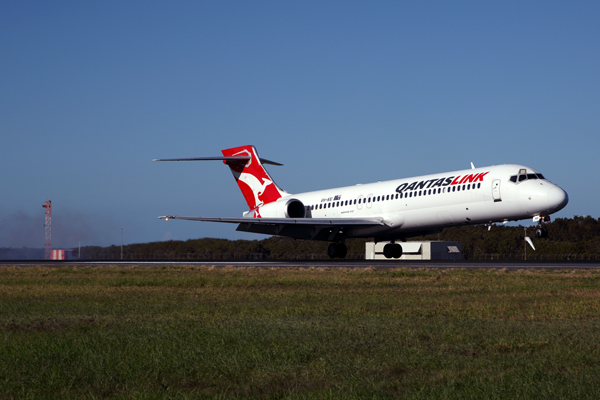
(386, 211)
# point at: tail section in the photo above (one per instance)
(254, 181)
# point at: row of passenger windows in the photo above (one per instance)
(395, 196)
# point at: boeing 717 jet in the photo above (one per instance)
(390, 210)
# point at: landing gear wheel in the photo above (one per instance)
(337, 250)
(331, 250)
(397, 251)
(388, 250)
(342, 250)
(392, 250)
(541, 232)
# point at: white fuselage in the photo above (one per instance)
(419, 204)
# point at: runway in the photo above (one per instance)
(378, 264)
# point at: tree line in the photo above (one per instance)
(578, 236)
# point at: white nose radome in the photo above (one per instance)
(557, 198)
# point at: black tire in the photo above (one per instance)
(388, 250)
(342, 250)
(332, 250)
(397, 251)
(337, 250)
(541, 233)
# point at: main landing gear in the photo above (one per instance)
(337, 250)
(541, 231)
(392, 250)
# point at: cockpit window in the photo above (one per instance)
(523, 176)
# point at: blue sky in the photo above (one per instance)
(340, 92)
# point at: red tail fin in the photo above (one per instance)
(254, 181)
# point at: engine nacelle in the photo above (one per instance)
(283, 208)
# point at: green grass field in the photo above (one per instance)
(227, 333)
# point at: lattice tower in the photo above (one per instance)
(48, 225)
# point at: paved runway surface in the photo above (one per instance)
(326, 264)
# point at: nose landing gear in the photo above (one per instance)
(541, 231)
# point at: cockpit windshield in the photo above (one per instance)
(523, 176)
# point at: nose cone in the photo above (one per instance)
(557, 199)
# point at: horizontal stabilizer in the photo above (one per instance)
(232, 159)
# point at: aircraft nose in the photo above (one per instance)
(557, 198)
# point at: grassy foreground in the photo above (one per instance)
(195, 332)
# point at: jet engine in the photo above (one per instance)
(284, 208)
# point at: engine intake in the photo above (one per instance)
(295, 209)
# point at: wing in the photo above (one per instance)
(299, 228)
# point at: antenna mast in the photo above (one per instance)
(48, 226)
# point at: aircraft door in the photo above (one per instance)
(369, 199)
(496, 190)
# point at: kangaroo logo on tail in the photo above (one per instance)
(254, 181)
